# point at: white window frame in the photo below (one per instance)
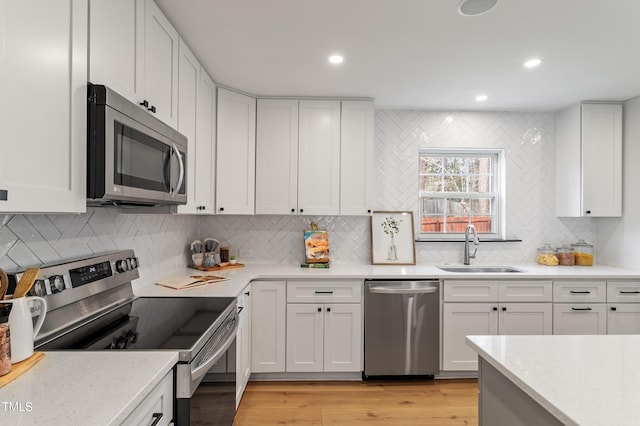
(498, 194)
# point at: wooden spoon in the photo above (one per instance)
(26, 282)
(4, 283)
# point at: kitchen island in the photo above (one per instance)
(554, 380)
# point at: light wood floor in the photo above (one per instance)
(435, 402)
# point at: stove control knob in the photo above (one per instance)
(120, 343)
(56, 283)
(134, 262)
(122, 265)
(38, 289)
(131, 337)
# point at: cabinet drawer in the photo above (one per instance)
(159, 403)
(324, 292)
(525, 291)
(579, 291)
(470, 291)
(620, 291)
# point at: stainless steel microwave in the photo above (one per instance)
(134, 159)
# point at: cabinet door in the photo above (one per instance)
(602, 160)
(525, 318)
(356, 158)
(305, 325)
(343, 337)
(277, 156)
(43, 104)
(116, 47)
(571, 318)
(161, 65)
(205, 144)
(243, 343)
(623, 318)
(268, 324)
(525, 291)
(319, 158)
(188, 89)
(159, 400)
(460, 320)
(470, 291)
(236, 153)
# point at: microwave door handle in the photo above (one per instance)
(181, 176)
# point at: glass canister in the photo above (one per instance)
(565, 256)
(5, 340)
(546, 255)
(583, 253)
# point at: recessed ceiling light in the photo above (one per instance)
(532, 63)
(475, 7)
(336, 59)
(481, 98)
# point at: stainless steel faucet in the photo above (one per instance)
(468, 256)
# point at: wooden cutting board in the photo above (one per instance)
(20, 368)
(217, 268)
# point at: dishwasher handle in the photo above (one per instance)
(381, 289)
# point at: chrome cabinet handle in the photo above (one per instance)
(156, 418)
(181, 177)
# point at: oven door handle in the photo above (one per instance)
(202, 369)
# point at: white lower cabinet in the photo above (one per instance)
(324, 337)
(460, 320)
(623, 307)
(478, 307)
(575, 318)
(157, 407)
(623, 318)
(268, 325)
(579, 307)
(243, 343)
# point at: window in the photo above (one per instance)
(458, 187)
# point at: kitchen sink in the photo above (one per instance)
(477, 269)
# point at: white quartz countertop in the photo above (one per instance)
(240, 277)
(581, 380)
(83, 387)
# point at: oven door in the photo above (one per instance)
(206, 387)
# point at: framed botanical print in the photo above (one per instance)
(392, 238)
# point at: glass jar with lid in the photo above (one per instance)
(583, 253)
(546, 255)
(565, 256)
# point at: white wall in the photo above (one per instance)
(617, 237)
(159, 241)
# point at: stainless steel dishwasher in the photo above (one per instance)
(401, 328)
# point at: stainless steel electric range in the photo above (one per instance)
(91, 306)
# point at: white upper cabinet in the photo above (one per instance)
(589, 160)
(236, 153)
(43, 106)
(116, 30)
(134, 50)
(277, 156)
(356, 158)
(191, 87)
(160, 65)
(319, 158)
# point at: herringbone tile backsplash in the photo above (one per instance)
(161, 241)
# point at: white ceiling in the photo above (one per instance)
(419, 54)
